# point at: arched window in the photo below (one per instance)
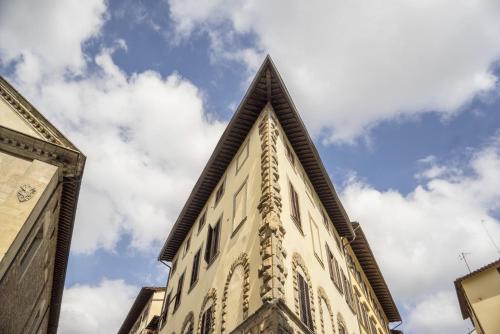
(206, 320)
(341, 324)
(304, 304)
(188, 324)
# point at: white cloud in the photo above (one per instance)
(353, 64)
(52, 31)
(96, 308)
(146, 136)
(427, 229)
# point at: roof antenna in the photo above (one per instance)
(463, 258)
(490, 237)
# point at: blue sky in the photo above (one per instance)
(401, 99)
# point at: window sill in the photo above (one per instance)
(195, 283)
(298, 224)
(240, 224)
(212, 260)
(319, 260)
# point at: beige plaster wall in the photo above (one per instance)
(28, 236)
(10, 119)
(233, 243)
(152, 308)
(483, 293)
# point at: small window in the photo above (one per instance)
(206, 321)
(178, 295)
(342, 329)
(240, 206)
(329, 259)
(195, 269)
(294, 197)
(364, 315)
(373, 329)
(325, 220)
(188, 243)
(316, 239)
(338, 280)
(242, 157)
(166, 305)
(220, 192)
(202, 220)
(212, 247)
(289, 154)
(174, 266)
(304, 302)
(32, 248)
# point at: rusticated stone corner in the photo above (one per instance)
(271, 232)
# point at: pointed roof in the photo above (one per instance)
(267, 86)
(39, 139)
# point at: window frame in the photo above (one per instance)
(295, 207)
(195, 268)
(304, 302)
(221, 189)
(178, 294)
(212, 248)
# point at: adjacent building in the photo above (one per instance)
(263, 243)
(479, 298)
(40, 176)
(144, 315)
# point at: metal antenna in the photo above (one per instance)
(490, 237)
(463, 258)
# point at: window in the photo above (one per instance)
(32, 248)
(188, 243)
(240, 206)
(342, 329)
(206, 321)
(196, 268)
(373, 328)
(316, 239)
(174, 266)
(337, 281)
(347, 290)
(329, 260)
(295, 206)
(178, 295)
(165, 309)
(289, 154)
(325, 220)
(220, 192)
(212, 248)
(304, 302)
(203, 218)
(364, 315)
(242, 157)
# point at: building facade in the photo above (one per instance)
(144, 315)
(263, 243)
(40, 174)
(479, 298)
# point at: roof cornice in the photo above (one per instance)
(267, 86)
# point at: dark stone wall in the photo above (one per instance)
(25, 289)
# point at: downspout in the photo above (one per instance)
(166, 296)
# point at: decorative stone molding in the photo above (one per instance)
(322, 296)
(188, 320)
(25, 114)
(211, 295)
(341, 322)
(25, 192)
(272, 271)
(242, 261)
(298, 261)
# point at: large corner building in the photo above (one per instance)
(263, 244)
(40, 174)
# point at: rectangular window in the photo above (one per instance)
(242, 157)
(304, 302)
(289, 154)
(178, 295)
(316, 240)
(373, 328)
(32, 248)
(206, 321)
(212, 247)
(203, 218)
(364, 314)
(329, 259)
(325, 219)
(174, 266)
(240, 206)
(220, 192)
(294, 197)
(195, 269)
(337, 281)
(188, 243)
(165, 309)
